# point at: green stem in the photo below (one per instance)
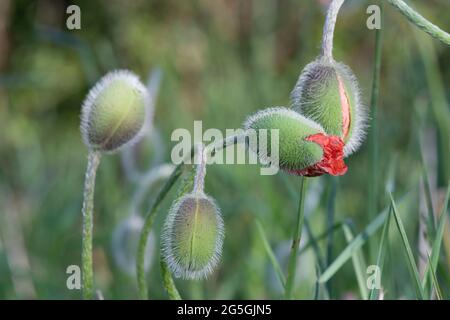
(417, 19)
(88, 224)
(168, 282)
(292, 267)
(140, 270)
(330, 222)
(373, 141)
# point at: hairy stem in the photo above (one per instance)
(88, 223)
(199, 180)
(413, 16)
(417, 19)
(168, 282)
(328, 29)
(140, 270)
(292, 267)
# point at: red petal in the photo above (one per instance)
(333, 157)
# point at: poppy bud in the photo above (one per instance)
(193, 236)
(114, 112)
(328, 93)
(304, 148)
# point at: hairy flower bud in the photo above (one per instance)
(328, 93)
(114, 112)
(304, 148)
(193, 236)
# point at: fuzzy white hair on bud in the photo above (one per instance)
(115, 112)
(312, 93)
(192, 237)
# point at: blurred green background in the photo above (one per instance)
(221, 60)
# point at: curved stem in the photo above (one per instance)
(417, 19)
(199, 180)
(140, 270)
(328, 29)
(292, 267)
(169, 284)
(88, 223)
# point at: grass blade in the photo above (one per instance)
(436, 248)
(439, 104)
(381, 253)
(354, 245)
(320, 237)
(428, 197)
(435, 282)
(358, 265)
(270, 254)
(357, 242)
(411, 262)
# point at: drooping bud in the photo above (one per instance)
(328, 93)
(193, 236)
(304, 148)
(114, 112)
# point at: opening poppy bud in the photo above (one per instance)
(114, 112)
(328, 93)
(193, 236)
(303, 147)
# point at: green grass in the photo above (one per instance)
(412, 267)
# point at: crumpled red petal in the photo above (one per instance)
(333, 157)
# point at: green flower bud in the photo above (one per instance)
(114, 112)
(193, 236)
(303, 147)
(328, 93)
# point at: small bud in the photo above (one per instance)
(304, 148)
(193, 236)
(114, 112)
(328, 93)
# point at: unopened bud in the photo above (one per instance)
(114, 112)
(193, 236)
(328, 93)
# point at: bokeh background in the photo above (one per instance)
(220, 61)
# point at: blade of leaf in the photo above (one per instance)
(374, 292)
(356, 243)
(435, 282)
(270, 254)
(357, 264)
(320, 237)
(428, 197)
(410, 257)
(436, 248)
